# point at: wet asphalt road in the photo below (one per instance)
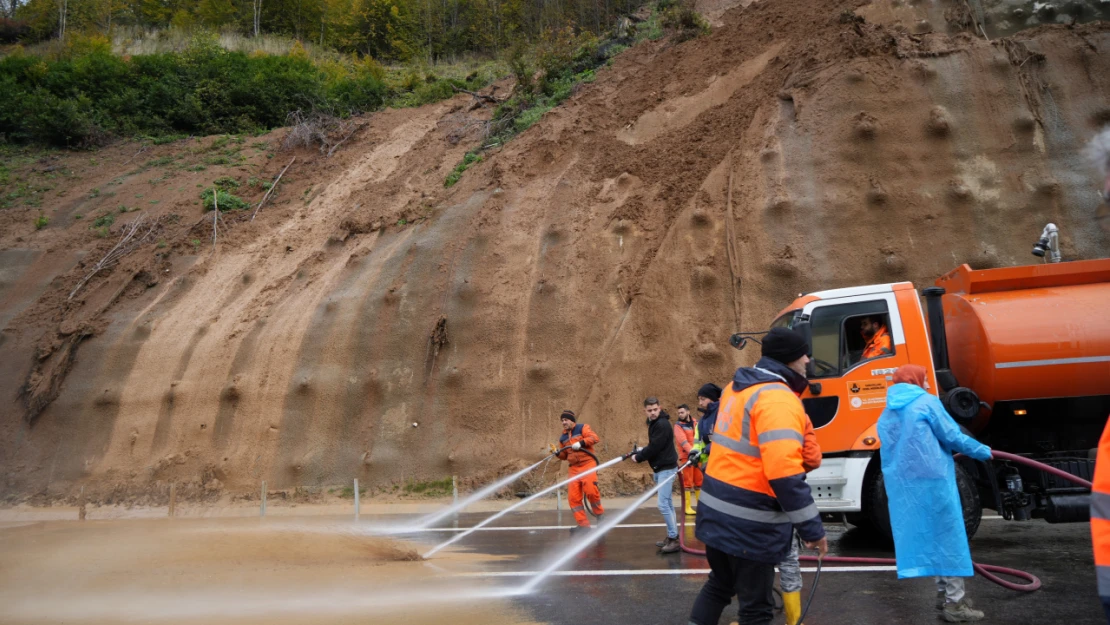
(1060, 555)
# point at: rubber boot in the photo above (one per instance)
(792, 606)
(697, 493)
(690, 502)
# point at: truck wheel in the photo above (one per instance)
(876, 514)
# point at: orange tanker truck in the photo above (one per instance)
(1020, 357)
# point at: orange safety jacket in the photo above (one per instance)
(579, 460)
(754, 493)
(684, 435)
(879, 345)
(1100, 515)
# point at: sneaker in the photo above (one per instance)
(671, 546)
(961, 612)
(661, 543)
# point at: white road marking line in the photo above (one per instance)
(517, 528)
(634, 572)
(520, 528)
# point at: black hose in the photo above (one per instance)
(583, 450)
(812, 591)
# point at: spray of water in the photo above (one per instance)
(591, 538)
(436, 517)
(458, 537)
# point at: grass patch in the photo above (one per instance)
(105, 220)
(227, 201)
(471, 158)
(41, 221)
(159, 162)
(430, 488)
(348, 492)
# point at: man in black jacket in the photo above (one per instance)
(661, 455)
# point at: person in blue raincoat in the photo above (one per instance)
(918, 439)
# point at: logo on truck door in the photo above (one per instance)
(867, 394)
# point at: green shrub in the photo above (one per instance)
(104, 221)
(226, 183)
(41, 221)
(84, 97)
(227, 201)
(685, 22)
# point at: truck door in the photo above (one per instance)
(858, 342)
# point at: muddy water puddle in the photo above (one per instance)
(233, 571)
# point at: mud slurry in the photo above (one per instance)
(230, 571)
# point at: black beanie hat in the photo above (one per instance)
(569, 414)
(710, 391)
(784, 345)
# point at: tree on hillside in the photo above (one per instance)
(216, 13)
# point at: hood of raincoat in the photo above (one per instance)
(900, 395)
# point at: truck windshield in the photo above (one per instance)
(786, 320)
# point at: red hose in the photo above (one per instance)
(988, 571)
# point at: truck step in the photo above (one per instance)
(826, 481)
(826, 505)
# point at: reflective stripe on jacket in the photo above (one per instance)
(580, 433)
(704, 428)
(1100, 514)
(754, 491)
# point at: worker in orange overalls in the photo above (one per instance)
(1100, 519)
(685, 432)
(577, 444)
(877, 337)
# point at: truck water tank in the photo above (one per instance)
(1030, 332)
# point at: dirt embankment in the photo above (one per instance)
(371, 324)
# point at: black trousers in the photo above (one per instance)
(749, 581)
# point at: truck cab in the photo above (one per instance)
(847, 390)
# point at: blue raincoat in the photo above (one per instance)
(918, 440)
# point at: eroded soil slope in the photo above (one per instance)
(371, 324)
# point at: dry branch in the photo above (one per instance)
(215, 213)
(132, 237)
(335, 147)
(318, 128)
(271, 189)
(479, 96)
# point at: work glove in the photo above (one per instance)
(576, 446)
(553, 448)
(694, 458)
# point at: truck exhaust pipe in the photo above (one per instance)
(938, 339)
